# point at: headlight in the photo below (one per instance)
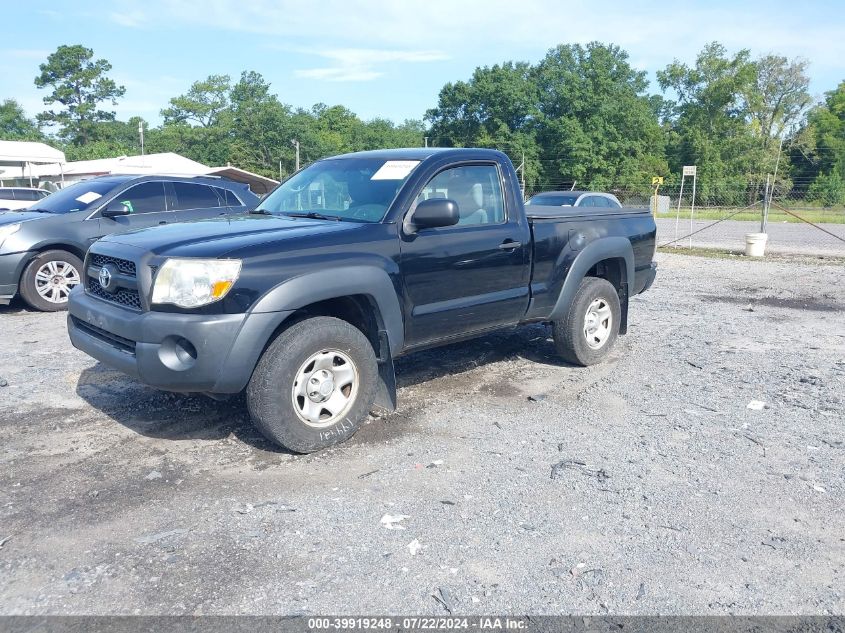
(7, 230)
(189, 283)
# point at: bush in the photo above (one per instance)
(828, 189)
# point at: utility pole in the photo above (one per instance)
(523, 175)
(295, 143)
(426, 140)
(141, 134)
(764, 218)
(770, 191)
(521, 171)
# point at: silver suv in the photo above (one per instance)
(20, 197)
(42, 247)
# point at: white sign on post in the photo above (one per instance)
(689, 170)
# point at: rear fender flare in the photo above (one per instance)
(592, 254)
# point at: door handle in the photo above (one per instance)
(509, 245)
(163, 222)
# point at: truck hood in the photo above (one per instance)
(219, 236)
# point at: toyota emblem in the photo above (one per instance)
(106, 277)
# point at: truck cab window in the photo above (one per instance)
(475, 188)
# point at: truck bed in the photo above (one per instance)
(560, 233)
(541, 212)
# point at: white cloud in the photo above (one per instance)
(653, 32)
(132, 19)
(362, 64)
(27, 53)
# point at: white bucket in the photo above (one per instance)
(755, 244)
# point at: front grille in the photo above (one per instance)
(125, 266)
(121, 343)
(125, 296)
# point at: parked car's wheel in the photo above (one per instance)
(48, 279)
(314, 385)
(590, 328)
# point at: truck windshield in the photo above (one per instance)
(354, 189)
(76, 197)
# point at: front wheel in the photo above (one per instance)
(587, 332)
(314, 385)
(48, 279)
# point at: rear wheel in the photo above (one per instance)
(48, 279)
(587, 332)
(314, 385)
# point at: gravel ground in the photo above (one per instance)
(784, 237)
(643, 485)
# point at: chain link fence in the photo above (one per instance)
(796, 222)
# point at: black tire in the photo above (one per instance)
(270, 397)
(29, 283)
(571, 339)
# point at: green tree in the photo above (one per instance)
(778, 96)
(580, 114)
(210, 146)
(113, 138)
(600, 126)
(198, 124)
(205, 103)
(828, 189)
(777, 102)
(80, 85)
(818, 149)
(709, 121)
(262, 127)
(14, 124)
(488, 109)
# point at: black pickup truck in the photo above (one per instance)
(305, 301)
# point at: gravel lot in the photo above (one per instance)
(644, 485)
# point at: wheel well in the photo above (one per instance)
(359, 310)
(62, 247)
(613, 270)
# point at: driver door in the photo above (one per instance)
(147, 206)
(472, 276)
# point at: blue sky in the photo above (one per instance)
(388, 58)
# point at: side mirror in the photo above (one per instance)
(115, 209)
(436, 212)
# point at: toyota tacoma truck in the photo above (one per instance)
(305, 301)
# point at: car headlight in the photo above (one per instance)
(7, 230)
(189, 283)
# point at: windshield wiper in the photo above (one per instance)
(259, 212)
(37, 210)
(313, 215)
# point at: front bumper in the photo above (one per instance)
(172, 351)
(11, 269)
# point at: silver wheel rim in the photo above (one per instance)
(598, 323)
(54, 281)
(325, 388)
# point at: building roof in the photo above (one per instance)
(164, 163)
(21, 152)
(258, 184)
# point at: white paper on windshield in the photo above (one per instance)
(395, 170)
(87, 198)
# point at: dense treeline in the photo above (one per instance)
(582, 114)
